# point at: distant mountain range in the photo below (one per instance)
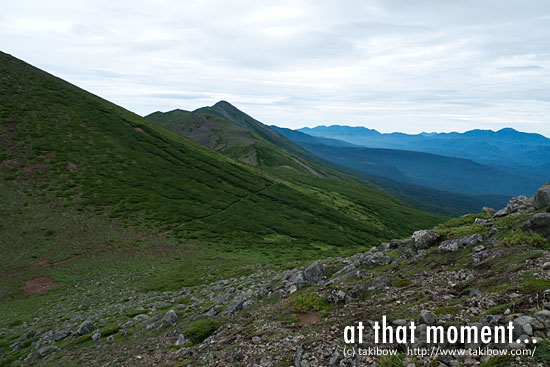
(506, 147)
(426, 169)
(502, 162)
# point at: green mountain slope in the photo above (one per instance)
(228, 134)
(91, 190)
(233, 114)
(245, 144)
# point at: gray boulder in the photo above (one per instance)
(425, 238)
(170, 318)
(337, 296)
(314, 273)
(60, 335)
(488, 211)
(516, 204)
(235, 306)
(85, 328)
(298, 279)
(542, 197)
(522, 326)
(490, 320)
(543, 317)
(427, 317)
(539, 223)
(372, 259)
(459, 243)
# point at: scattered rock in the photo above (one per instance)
(370, 259)
(516, 204)
(522, 326)
(44, 351)
(459, 243)
(425, 238)
(481, 221)
(475, 293)
(488, 211)
(546, 266)
(314, 273)
(542, 197)
(380, 282)
(543, 317)
(337, 296)
(334, 358)
(248, 303)
(182, 340)
(85, 328)
(427, 317)
(169, 319)
(96, 336)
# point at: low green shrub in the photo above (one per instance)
(199, 330)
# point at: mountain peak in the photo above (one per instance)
(224, 104)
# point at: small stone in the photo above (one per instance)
(256, 339)
(182, 340)
(96, 336)
(546, 266)
(248, 303)
(476, 293)
(335, 358)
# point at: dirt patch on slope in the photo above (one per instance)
(308, 318)
(40, 285)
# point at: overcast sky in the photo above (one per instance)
(391, 65)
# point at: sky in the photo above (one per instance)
(390, 65)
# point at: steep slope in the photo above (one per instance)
(90, 190)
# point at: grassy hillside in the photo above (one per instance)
(90, 190)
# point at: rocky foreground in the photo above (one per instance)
(481, 269)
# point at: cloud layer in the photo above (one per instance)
(392, 65)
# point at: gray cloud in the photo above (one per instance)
(393, 65)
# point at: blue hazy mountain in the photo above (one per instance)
(420, 168)
(506, 147)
